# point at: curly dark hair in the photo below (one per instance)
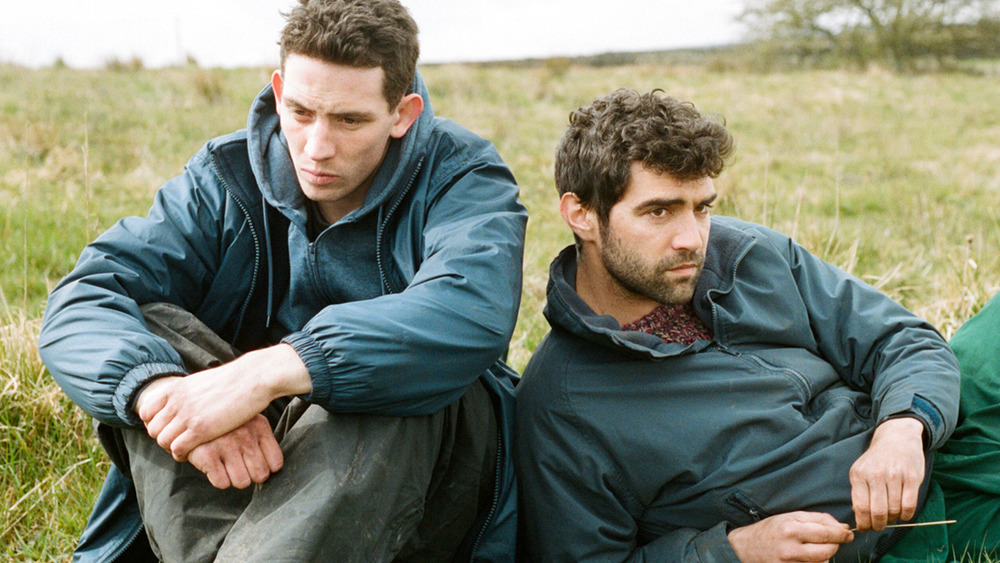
(664, 134)
(358, 33)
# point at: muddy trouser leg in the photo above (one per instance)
(353, 487)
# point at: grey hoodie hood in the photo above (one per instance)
(275, 173)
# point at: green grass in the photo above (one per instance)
(895, 178)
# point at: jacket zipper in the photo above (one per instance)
(496, 496)
(742, 502)
(256, 246)
(385, 222)
(732, 282)
(797, 377)
(125, 546)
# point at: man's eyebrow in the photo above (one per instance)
(673, 202)
(660, 202)
(356, 115)
(292, 102)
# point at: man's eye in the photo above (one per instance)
(659, 212)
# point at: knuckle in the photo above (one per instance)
(162, 441)
(198, 424)
(857, 472)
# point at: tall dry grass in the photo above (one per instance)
(50, 459)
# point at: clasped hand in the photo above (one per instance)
(181, 413)
(188, 418)
(212, 418)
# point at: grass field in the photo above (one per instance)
(895, 178)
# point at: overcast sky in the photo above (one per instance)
(244, 32)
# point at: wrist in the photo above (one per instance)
(148, 388)
(904, 426)
(279, 371)
(736, 541)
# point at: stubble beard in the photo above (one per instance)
(651, 281)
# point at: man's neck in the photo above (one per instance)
(605, 296)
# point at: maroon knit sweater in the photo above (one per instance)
(673, 323)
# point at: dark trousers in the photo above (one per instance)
(354, 487)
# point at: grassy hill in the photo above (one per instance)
(894, 178)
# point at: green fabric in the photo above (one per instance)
(929, 544)
(965, 482)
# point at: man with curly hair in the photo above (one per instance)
(296, 356)
(710, 390)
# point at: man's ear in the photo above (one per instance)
(407, 111)
(582, 220)
(277, 84)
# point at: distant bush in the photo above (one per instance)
(210, 85)
(557, 66)
(115, 64)
(907, 36)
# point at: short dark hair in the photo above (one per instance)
(664, 134)
(358, 33)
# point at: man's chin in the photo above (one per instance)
(682, 290)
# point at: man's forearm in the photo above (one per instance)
(278, 369)
(184, 412)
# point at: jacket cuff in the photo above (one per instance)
(134, 382)
(713, 544)
(315, 360)
(929, 416)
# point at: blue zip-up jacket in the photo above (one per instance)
(632, 449)
(450, 235)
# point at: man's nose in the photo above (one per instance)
(689, 234)
(320, 143)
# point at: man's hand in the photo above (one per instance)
(249, 454)
(794, 536)
(885, 480)
(181, 413)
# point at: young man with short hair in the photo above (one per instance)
(365, 256)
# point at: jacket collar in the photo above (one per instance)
(565, 309)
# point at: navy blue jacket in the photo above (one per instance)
(450, 235)
(632, 449)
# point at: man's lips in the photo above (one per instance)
(318, 177)
(684, 269)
